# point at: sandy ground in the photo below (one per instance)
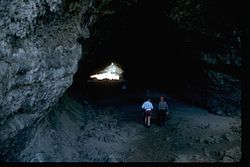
(84, 131)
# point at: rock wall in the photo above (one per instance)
(216, 34)
(40, 47)
(39, 55)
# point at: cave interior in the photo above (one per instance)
(154, 53)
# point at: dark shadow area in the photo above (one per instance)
(151, 50)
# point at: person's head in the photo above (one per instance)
(162, 98)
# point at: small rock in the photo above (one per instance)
(112, 158)
(206, 153)
(197, 158)
(90, 134)
(132, 150)
(40, 157)
(236, 129)
(109, 138)
(232, 155)
(92, 153)
(208, 140)
(227, 159)
(99, 152)
(227, 137)
(113, 123)
(221, 153)
(101, 125)
(100, 138)
(220, 112)
(166, 138)
(207, 126)
(196, 139)
(181, 158)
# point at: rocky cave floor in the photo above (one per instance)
(81, 131)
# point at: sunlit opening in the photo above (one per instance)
(111, 72)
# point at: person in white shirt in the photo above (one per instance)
(147, 106)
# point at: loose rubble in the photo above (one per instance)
(75, 132)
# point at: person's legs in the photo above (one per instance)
(163, 116)
(159, 117)
(149, 117)
(145, 120)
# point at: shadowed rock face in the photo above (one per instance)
(40, 47)
(220, 28)
(39, 53)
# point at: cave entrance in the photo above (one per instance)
(153, 53)
(110, 73)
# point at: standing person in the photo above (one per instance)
(148, 107)
(163, 111)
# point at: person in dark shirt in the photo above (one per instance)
(162, 111)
